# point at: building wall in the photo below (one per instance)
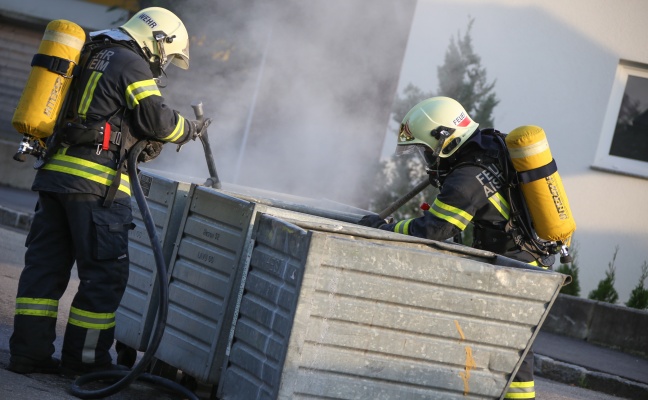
(554, 63)
(23, 24)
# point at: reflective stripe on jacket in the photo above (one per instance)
(86, 169)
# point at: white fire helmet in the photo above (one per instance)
(161, 35)
(439, 123)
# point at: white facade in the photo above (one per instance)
(556, 65)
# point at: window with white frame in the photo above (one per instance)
(623, 146)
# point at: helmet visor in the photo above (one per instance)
(180, 60)
(427, 155)
(415, 148)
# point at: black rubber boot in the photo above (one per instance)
(23, 365)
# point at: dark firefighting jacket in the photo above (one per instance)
(473, 190)
(115, 87)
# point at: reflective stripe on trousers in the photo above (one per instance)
(523, 386)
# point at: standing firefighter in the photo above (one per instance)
(472, 171)
(83, 213)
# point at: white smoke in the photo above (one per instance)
(317, 109)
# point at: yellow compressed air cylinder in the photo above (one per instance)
(544, 194)
(45, 90)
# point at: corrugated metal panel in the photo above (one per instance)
(205, 282)
(266, 312)
(17, 48)
(386, 320)
(380, 317)
(166, 200)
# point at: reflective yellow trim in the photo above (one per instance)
(529, 150)
(403, 227)
(501, 204)
(177, 132)
(87, 169)
(521, 390)
(37, 307)
(64, 38)
(90, 320)
(530, 395)
(454, 215)
(526, 384)
(137, 91)
(88, 93)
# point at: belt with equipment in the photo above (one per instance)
(101, 134)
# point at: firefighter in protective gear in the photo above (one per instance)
(83, 213)
(466, 164)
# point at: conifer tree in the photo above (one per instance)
(639, 295)
(605, 290)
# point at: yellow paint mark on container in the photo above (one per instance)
(470, 361)
(459, 330)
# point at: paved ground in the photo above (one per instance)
(558, 358)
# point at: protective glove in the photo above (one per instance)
(196, 129)
(372, 221)
(152, 150)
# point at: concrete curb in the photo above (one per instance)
(609, 325)
(15, 219)
(570, 374)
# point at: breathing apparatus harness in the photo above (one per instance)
(518, 231)
(106, 134)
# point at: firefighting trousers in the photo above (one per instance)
(69, 229)
(523, 385)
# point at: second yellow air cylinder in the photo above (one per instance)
(540, 183)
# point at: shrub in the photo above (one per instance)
(605, 290)
(639, 295)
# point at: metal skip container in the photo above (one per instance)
(266, 302)
(333, 310)
(207, 271)
(135, 316)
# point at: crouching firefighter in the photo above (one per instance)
(83, 213)
(471, 169)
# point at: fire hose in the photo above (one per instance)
(404, 199)
(122, 379)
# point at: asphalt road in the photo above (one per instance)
(47, 387)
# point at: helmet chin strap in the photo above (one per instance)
(162, 83)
